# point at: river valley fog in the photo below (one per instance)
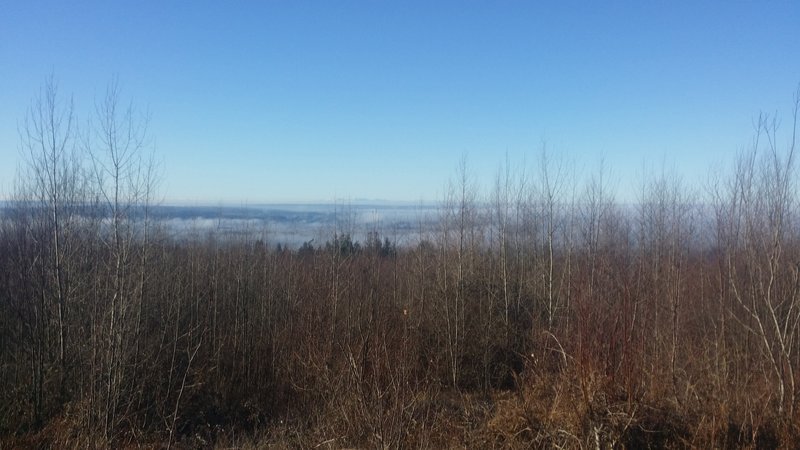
(292, 224)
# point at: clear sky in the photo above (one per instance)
(322, 100)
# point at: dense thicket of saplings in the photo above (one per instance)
(537, 313)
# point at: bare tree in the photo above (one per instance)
(48, 141)
(51, 195)
(124, 181)
(550, 198)
(762, 253)
(507, 214)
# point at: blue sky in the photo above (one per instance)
(324, 100)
